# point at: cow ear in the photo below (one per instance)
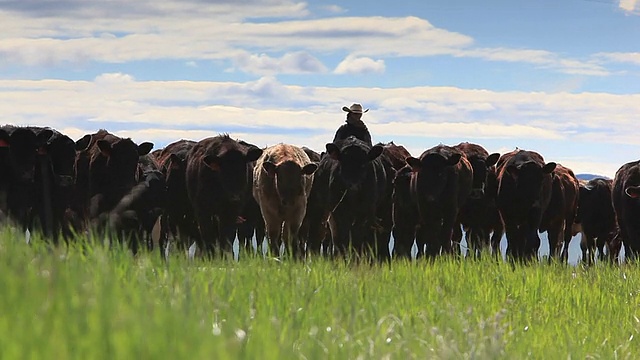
(4, 139)
(415, 164)
(633, 192)
(454, 159)
(44, 136)
(145, 148)
(212, 161)
(492, 159)
(105, 147)
(375, 152)
(584, 190)
(253, 154)
(309, 168)
(333, 151)
(548, 168)
(270, 168)
(176, 162)
(83, 143)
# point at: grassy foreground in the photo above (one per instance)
(88, 302)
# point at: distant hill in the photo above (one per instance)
(588, 177)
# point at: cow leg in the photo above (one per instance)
(515, 242)
(430, 235)
(456, 237)
(446, 231)
(496, 238)
(274, 231)
(555, 236)
(403, 236)
(296, 228)
(587, 247)
(228, 229)
(341, 223)
(568, 235)
(208, 237)
(261, 232)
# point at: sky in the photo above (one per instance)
(558, 77)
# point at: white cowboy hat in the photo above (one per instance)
(355, 108)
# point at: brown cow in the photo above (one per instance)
(559, 216)
(282, 180)
(218, 178)
(524, 192)
(440, 187)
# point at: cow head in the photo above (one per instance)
(353, 156)
(122, 160)
(529, 177)
(433, 170)
(62, 152)
(402, 183)
(230, 163)
(23, 147)
(481, 169)
(289, 179)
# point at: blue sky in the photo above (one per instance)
(558, 77)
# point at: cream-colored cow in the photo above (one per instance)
(282, 180)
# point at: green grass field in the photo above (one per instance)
(89, 302)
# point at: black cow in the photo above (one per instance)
(440, 187)
(479, 214)
(524, 192)
(355, 192)
(218, 184)
(626, 204)
(107, 170)
(19, 159)
(55, 178)
(405, 212)
(597, 220)
(137, 213)
(179, 213)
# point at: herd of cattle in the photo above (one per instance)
(352, 196)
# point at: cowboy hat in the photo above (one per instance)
(355, 108)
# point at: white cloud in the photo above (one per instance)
(291, 63)
(360, 65)
(113, 78)
(465, 130)
(620, 57)
(540, 58)
(630, 6)
(266, 111)
(80, 32)
(334, 9)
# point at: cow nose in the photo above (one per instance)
(476, 194)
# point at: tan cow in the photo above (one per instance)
(282, 180)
